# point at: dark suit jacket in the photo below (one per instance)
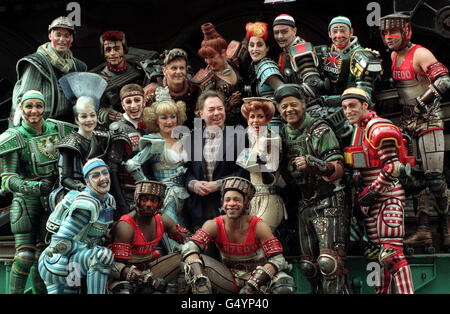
(232, 145)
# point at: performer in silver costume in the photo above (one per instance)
(421, 81)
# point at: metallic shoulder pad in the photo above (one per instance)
(10, 141)
(118, 135)
(88, 203)
(300, 51)
(203, 78)
(189, 248)
(379, 130)
(265, 69)
(64, 128)
(155, 141)
(365, 63)
(71, 141)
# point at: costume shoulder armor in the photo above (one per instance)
(299, 52)
(118, 133)
(265, 69)
(64, 128)
(319, 127)
(71, 141)
(203, 78)
(154, 140)
(365, 63)
(379, 130)
(11, 140)
(88, 203)
(236, 53)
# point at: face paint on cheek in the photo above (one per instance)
(68, 43)
(390, 36)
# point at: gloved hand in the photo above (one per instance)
(419, 110)
(46, 187)
(367, 197)
(248, 289)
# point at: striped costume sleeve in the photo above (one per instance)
(390, 170)
(73, 226)
(11, 181)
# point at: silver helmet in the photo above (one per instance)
(61, 22)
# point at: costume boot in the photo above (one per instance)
(423, 233)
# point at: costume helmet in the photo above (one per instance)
(62, 22)
(241, 185)
(148, 187)
(400, 21)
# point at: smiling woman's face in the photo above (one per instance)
(87, 119)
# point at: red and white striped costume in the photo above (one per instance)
(377, 151)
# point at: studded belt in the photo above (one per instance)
(178, 180)
(243, 265)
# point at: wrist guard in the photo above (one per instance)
(201, 238)
(259, 277)
(133, 275)
(180, 234)
(195, 277)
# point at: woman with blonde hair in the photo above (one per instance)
(262, 161)
(162, 154)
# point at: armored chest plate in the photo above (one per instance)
(43, 153)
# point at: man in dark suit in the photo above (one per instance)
(213, 151)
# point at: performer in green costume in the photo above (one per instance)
(29, 158)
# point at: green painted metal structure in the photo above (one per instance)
(431, 275)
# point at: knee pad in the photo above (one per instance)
(308, 268)
(103, 260)
(24, 259)
(284, 284)
(392, 257)
(19, 218)
(330, 264)
(435, 181)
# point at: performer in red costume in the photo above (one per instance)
(378, 152)
(421, 81)
(139, 267)
(251, 255)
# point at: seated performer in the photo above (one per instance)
(138, 267)
(252, 256)
(79, 223)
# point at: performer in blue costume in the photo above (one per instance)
(79, 224)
